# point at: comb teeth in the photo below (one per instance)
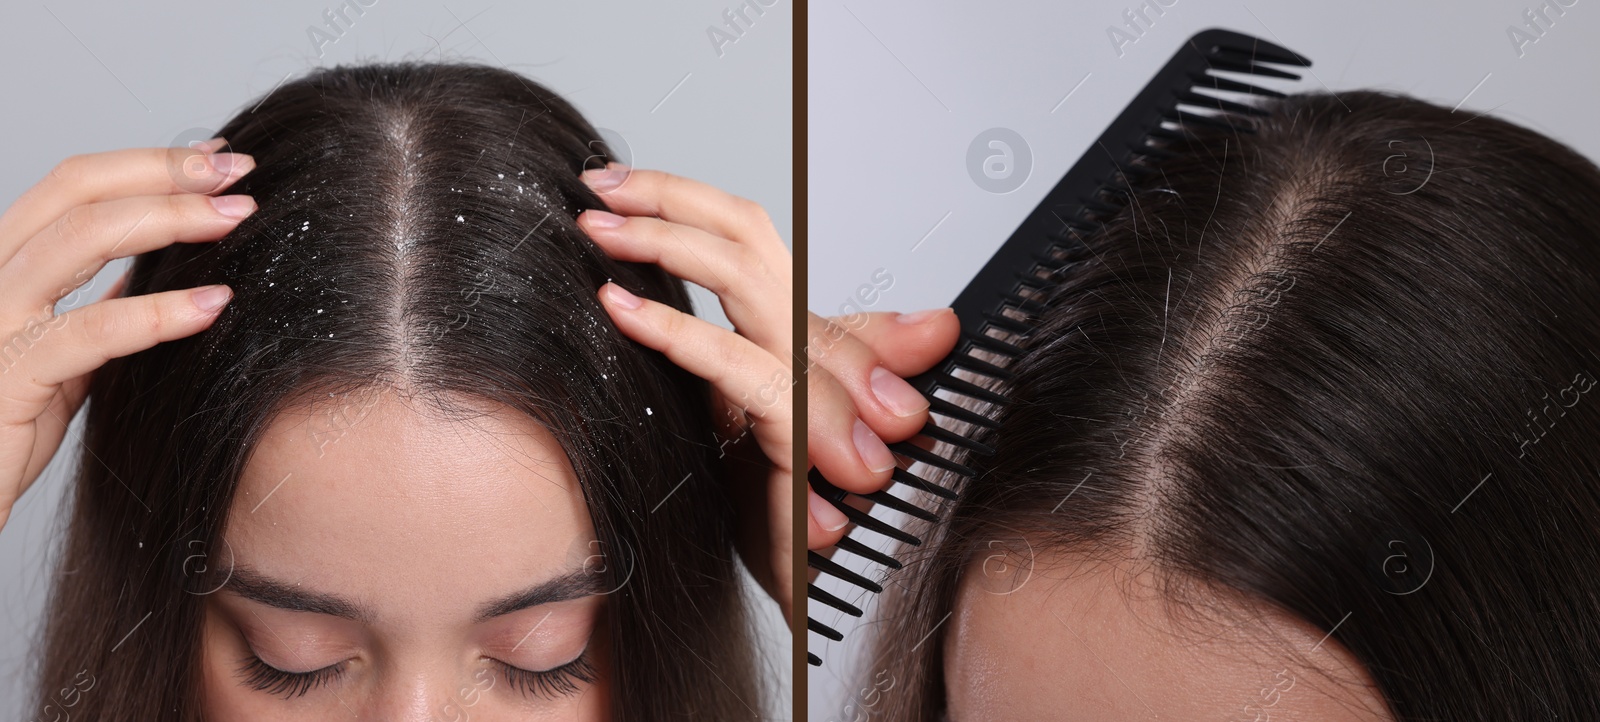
(1167, 134)
(1229, 63)
(1099, 208)
(1022, 303)
(822, 595)
(990, 343)
(1259, 51)
(1152, 152)
(1208, 80)
(1182, 117)
(916, 482)
(872, 523)
(939, 433)
(1008, 324)
(862, 550)
(1050, 239)
(1208, 101)
(971, 389)
(945, 408)
(828, 566)
(982, 367)
(824, 630)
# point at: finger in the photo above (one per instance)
(635, 192)
(838, 443)
(732, 422)
(892, 408)
(52, 425)
(753, 294)
(745, 373)
(826, 524)
(907, 343)
(824, 539)
(82, 340)
(117, 287)
(97, 177)
(765, 529)
(68, 252)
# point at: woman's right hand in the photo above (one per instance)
(90, 210)
(856, 400)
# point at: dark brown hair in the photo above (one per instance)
(1368, 329)
(430, 210)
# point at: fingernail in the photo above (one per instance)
(606, 178)
(923, 316)
(892, 391)
(236, 206)
(602, 219)
(209, 146)
(827, 515)
(621, 297)
(873, 453)
(211, 298)
(232, 163)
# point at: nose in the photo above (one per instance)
(433, 695)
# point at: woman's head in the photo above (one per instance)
(413, 450)
(1303, 433)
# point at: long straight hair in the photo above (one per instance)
(416, 230)
(1342, 367)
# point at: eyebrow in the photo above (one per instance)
(573, 585)
(257, 587)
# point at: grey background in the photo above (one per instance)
(899, 90)
(94, 76)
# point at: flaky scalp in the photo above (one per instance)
(416, 231)
(1296, 349)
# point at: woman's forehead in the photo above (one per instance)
(401, 492)
(1097, 639)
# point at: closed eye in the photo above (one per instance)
(263, 677)
(562, 681)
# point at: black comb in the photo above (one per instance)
(996, 308)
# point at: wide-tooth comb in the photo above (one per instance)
(996, 308)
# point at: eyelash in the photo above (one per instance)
(264, 677)
(551, 683)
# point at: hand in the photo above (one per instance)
(856, 400)
(90, 210)
(727, 245)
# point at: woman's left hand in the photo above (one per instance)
(728, 245)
